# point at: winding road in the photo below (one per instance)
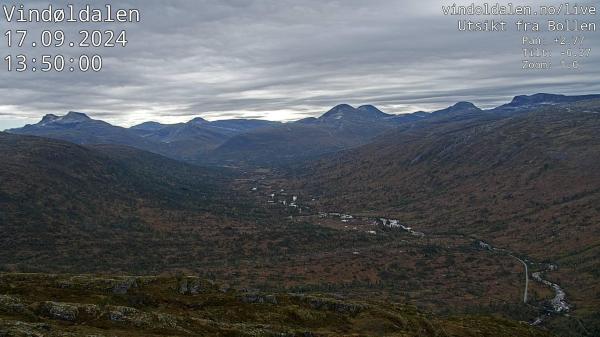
(487, 246)
(559, 304)
(526, 278)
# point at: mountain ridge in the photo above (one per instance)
(519, 100)
(458, 181)
(261, 142)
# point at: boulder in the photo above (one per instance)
(60, 311)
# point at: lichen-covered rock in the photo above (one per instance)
(166, 321)
(61, 311)
(123, 286)
(330, 304)
(18, 329)
(194, 286)
(189, 285)
(339, 307)
(123, 314)
(114, 285)
(137, 318)
(11, 304)
(90, 310)
(296, 334)
(257, 298)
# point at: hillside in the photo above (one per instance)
(447, 211)
(345, 127)
(481, 169)
(59, 199)
(284, 144)
(139, 213)
(340, 128)
(83, 305)
(529, 182)
(193, 141)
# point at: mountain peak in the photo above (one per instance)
(75, 116)
(529, 101)
(70, 118)
(148, 126)
(341, 108)
(372, 110)
(543, 98)
(345, 110)
(465, 105)
(339, 111)
(536, 99)
(49, 118)
(459, 108)
(198, 120)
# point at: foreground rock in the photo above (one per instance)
(55, 305)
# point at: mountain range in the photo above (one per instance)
(264, 142)
(184, 141)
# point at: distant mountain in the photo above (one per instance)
(242, 125)
(184, 141)
(347, 112)
(343, 127)
(198, 128)
(340, 128)
(370, 111)
(363, 122)
(191, 141)
(283, 144)
(71, 118)
(260, 142)
(78, 128)
(524, 177)
(460, 108)
(524, 102)
(148, 127)
(409, 117)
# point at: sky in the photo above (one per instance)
(280, 60)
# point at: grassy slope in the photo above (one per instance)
(530, 182)
(68, 207)
(58, 305)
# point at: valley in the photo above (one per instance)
(546, 307)
(482, 222)
(80, 305)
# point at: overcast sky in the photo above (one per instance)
(281, 60)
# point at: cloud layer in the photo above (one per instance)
(282, 60)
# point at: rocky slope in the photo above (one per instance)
(79, 305)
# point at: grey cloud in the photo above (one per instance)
(284, 59)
